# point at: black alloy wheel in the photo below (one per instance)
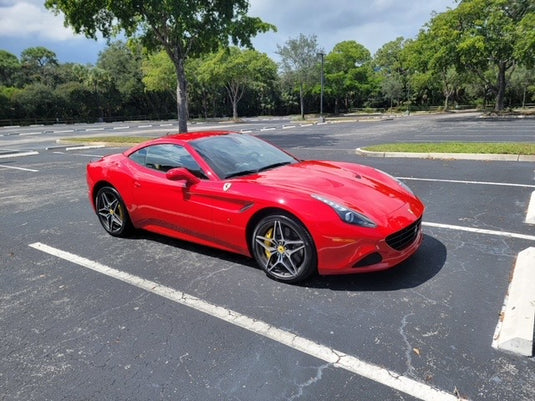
(284, 248)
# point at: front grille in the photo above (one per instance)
(404, 238)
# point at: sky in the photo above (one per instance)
(372, 23)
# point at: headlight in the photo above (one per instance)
(402, 184)
(347, 215)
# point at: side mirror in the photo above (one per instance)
(181, 173)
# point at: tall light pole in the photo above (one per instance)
(322, 119)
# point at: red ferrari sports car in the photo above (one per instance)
(239, 193)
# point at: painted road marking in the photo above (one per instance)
(503, 184)
(83, 147)
(515, 328)
(19, 168)
(31, 133)
(514, 332)
(18, 154)
(530, 215)
(335, 358)
(480, 231)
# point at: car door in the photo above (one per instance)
(165, 205)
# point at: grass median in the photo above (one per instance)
(109, 140)
(456, 147)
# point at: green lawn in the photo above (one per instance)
(457, 147)
(126, 140)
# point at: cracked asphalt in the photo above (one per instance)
(70, 333)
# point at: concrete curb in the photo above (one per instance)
(448, 156)
(516, 329)
(16, 153)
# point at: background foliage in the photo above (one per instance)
(480, 54)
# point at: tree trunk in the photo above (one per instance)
(500, 96)
(301, 100)
(181, 96)
(234, 110)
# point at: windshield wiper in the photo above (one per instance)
(248, 172)
(275, 165)
(240, 173)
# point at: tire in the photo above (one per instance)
(283, 248)
(112, 213)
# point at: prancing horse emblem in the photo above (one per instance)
(227, 186)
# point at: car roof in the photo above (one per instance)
(191, 136)
(178, 139)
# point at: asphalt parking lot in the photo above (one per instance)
(86, 316)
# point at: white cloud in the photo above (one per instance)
(372, 23)
(26, 23)
(27, 19)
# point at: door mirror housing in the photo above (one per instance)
(182, 174)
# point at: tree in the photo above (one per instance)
(183, 28)
(9, 67)
(100, 82)
(300, 63)
(37, 101)
(392, 88)
(347, 71)
(432, 64)
(76, 100)
(159, 73)
(523, 82)
(239, 70)
(39, 65)
(391, 63)
(124, 67)
(488, 34)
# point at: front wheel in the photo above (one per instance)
(283, 247)
(112, 213)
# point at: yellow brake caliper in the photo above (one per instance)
(268, 242)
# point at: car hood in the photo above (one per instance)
(360, 188)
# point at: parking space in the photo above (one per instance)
(77, 333)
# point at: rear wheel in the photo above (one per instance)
(112, 213)
(284, 248)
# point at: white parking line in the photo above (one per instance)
(530, 215)
(19, 154)
(480, 231)
(82, 147)
(19, 168)
(31, 133)
(503, 184)
(336, 358)
(514, 331)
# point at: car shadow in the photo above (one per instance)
(413, 272)
(193, 247)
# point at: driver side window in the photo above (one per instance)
(164, 157)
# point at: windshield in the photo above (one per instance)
(236, 155)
